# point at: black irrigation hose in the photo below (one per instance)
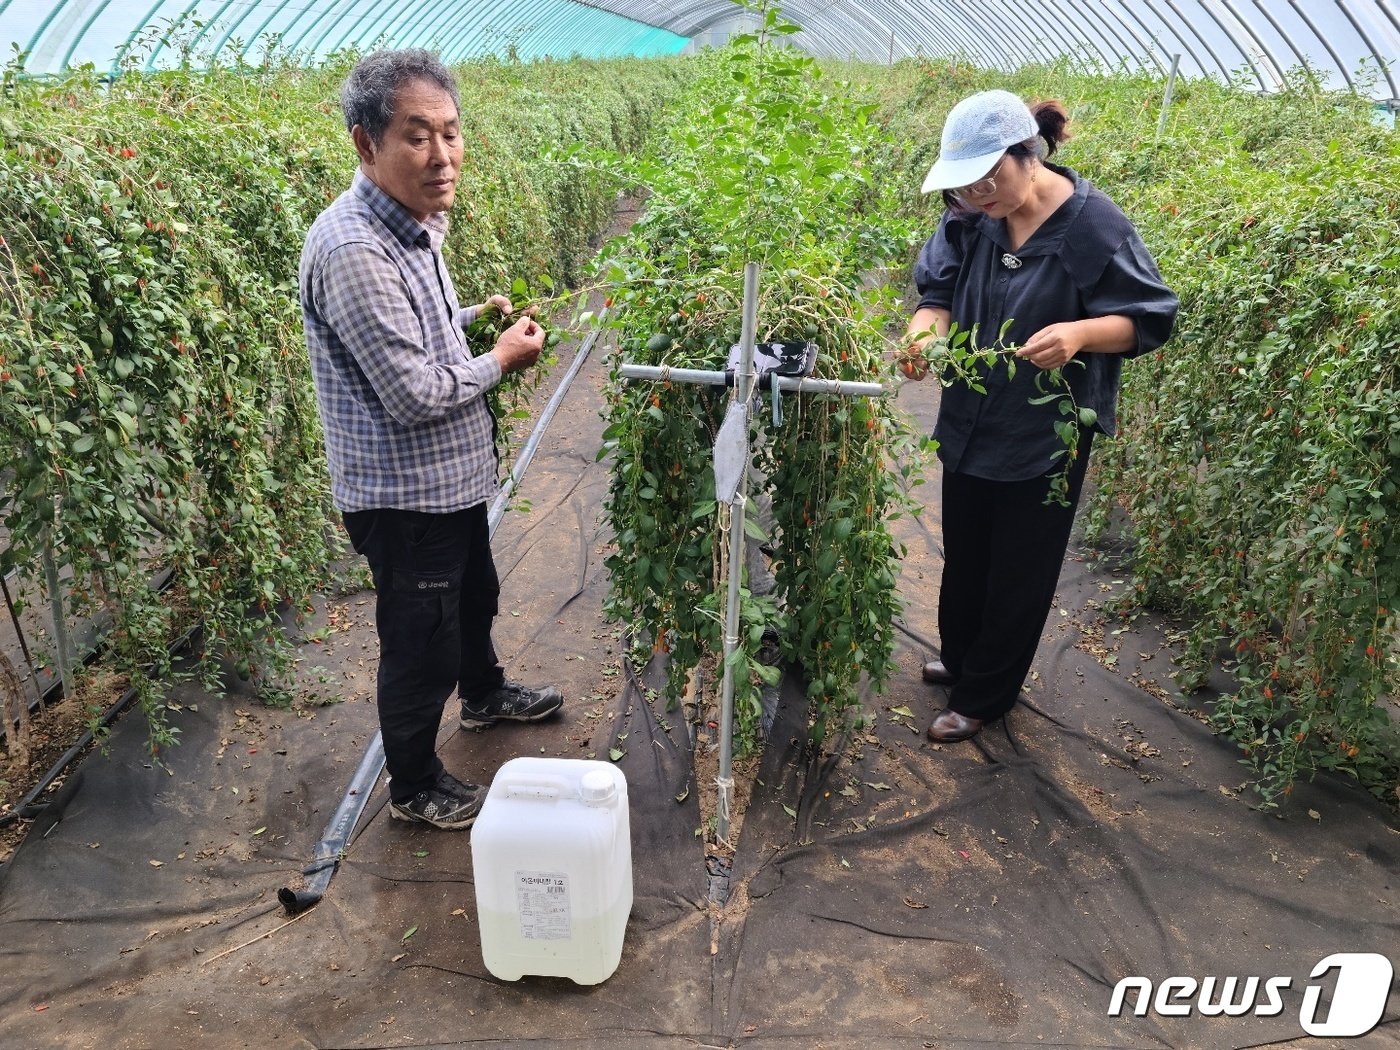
(332, 845)
(26, 808)
(331, 848)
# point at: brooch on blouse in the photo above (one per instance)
(1010, 261)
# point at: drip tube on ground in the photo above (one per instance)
(332, 845)
(331, 848)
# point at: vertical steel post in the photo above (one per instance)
(1167, 98)
(60, 616)
(19, 633)
(743, 389)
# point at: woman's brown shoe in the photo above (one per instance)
(949, 727)
(936, 673)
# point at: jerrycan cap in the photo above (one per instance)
(597, 785)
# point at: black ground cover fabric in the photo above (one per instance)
(985, 893)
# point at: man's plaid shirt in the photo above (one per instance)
(402, 400)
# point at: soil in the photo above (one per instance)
(53, 729)
(707, 784)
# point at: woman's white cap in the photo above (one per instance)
(978, 131)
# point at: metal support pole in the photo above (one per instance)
(60, 618)
(19, 633)
(743, 384)
(1167, 97)
(786, 384)
(527, 453)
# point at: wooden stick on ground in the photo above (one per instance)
(269, 933)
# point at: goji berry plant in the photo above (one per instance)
(768, 164)
(155, 402)
(1262, 470)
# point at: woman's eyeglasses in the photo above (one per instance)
(982, 187)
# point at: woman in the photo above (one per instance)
(1030, 245)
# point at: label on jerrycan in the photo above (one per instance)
(542, 901)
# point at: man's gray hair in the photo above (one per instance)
(367, 96)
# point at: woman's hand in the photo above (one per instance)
(927, 323)
(1052, 346)
(913, 363)
(1055, 344)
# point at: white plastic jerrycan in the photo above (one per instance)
(552, 859)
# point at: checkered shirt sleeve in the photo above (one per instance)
(402, 402)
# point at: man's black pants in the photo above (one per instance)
(436, 597)
(1002, 550)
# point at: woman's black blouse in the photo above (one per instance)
(1086, 260)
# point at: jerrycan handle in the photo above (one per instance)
(543, 788)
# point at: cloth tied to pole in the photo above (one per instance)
(731, 451)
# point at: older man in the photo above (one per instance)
(410, 438)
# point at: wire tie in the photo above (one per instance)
(726, 792)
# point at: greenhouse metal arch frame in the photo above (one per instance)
(1348, 43)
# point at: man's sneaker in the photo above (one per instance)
(450, 785)
(512, 702)
(449, 804)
